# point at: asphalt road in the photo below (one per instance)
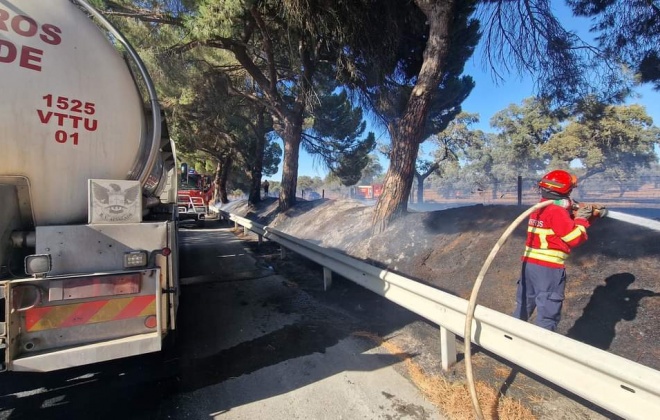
(249, 345)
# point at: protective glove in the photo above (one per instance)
(585, 211)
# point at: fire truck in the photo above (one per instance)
(88, 193)
(369, 192)
(194, 193)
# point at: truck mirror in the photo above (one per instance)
(24, 297)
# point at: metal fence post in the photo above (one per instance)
(327, 278)
(519, 190)
(447, 348)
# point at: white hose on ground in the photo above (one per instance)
(469, 316)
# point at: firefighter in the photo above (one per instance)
(552, 232)
(265, 185)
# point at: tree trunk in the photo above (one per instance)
(254, 197)
(257, 166)
(406, 134)
(225, 167)
(422, 177)
(291, 138)
(622, 189)
(396, 188)
(216, 182)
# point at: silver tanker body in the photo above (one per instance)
(70, 110)
(82, 162)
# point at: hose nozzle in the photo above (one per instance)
(597, 210)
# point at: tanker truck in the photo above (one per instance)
(88, 216)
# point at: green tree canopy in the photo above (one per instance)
(607, 138)
(522, 129)
(334, 138)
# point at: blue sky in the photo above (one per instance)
(488, 97)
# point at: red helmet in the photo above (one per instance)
(559, 181)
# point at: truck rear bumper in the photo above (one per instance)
(92, 353)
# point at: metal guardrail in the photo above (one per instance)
(619, 385)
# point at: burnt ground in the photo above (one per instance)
(612, 295)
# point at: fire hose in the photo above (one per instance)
(469, 317)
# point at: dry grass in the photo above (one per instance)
(453, 398)
(502, 371)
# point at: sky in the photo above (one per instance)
(489, 97)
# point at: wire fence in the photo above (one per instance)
(643, 192)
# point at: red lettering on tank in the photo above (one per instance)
(51, 34)
(44, 118)
(76, 105)
(28, 57)
(75, 120)
(90, 108)
(61, 136)
(4, 17)
(60, 118)
(91, 125)
(8, 51)
(31, 58)
(18, 27)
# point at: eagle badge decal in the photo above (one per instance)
(114, 201)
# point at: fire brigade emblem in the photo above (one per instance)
(115, 202)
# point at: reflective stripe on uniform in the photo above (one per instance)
(543, 234)
(548, 255)
(61, 316)
(575, 233)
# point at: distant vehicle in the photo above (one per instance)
(313, 196)
(193, 196)
(369, 192)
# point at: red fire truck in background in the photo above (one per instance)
(369, 192)
(194, 194)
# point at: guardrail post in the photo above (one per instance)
(447, 348)
(235, 225)
(245, 230)
(282, 252)
(327, 278)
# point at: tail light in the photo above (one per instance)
(135, 259)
